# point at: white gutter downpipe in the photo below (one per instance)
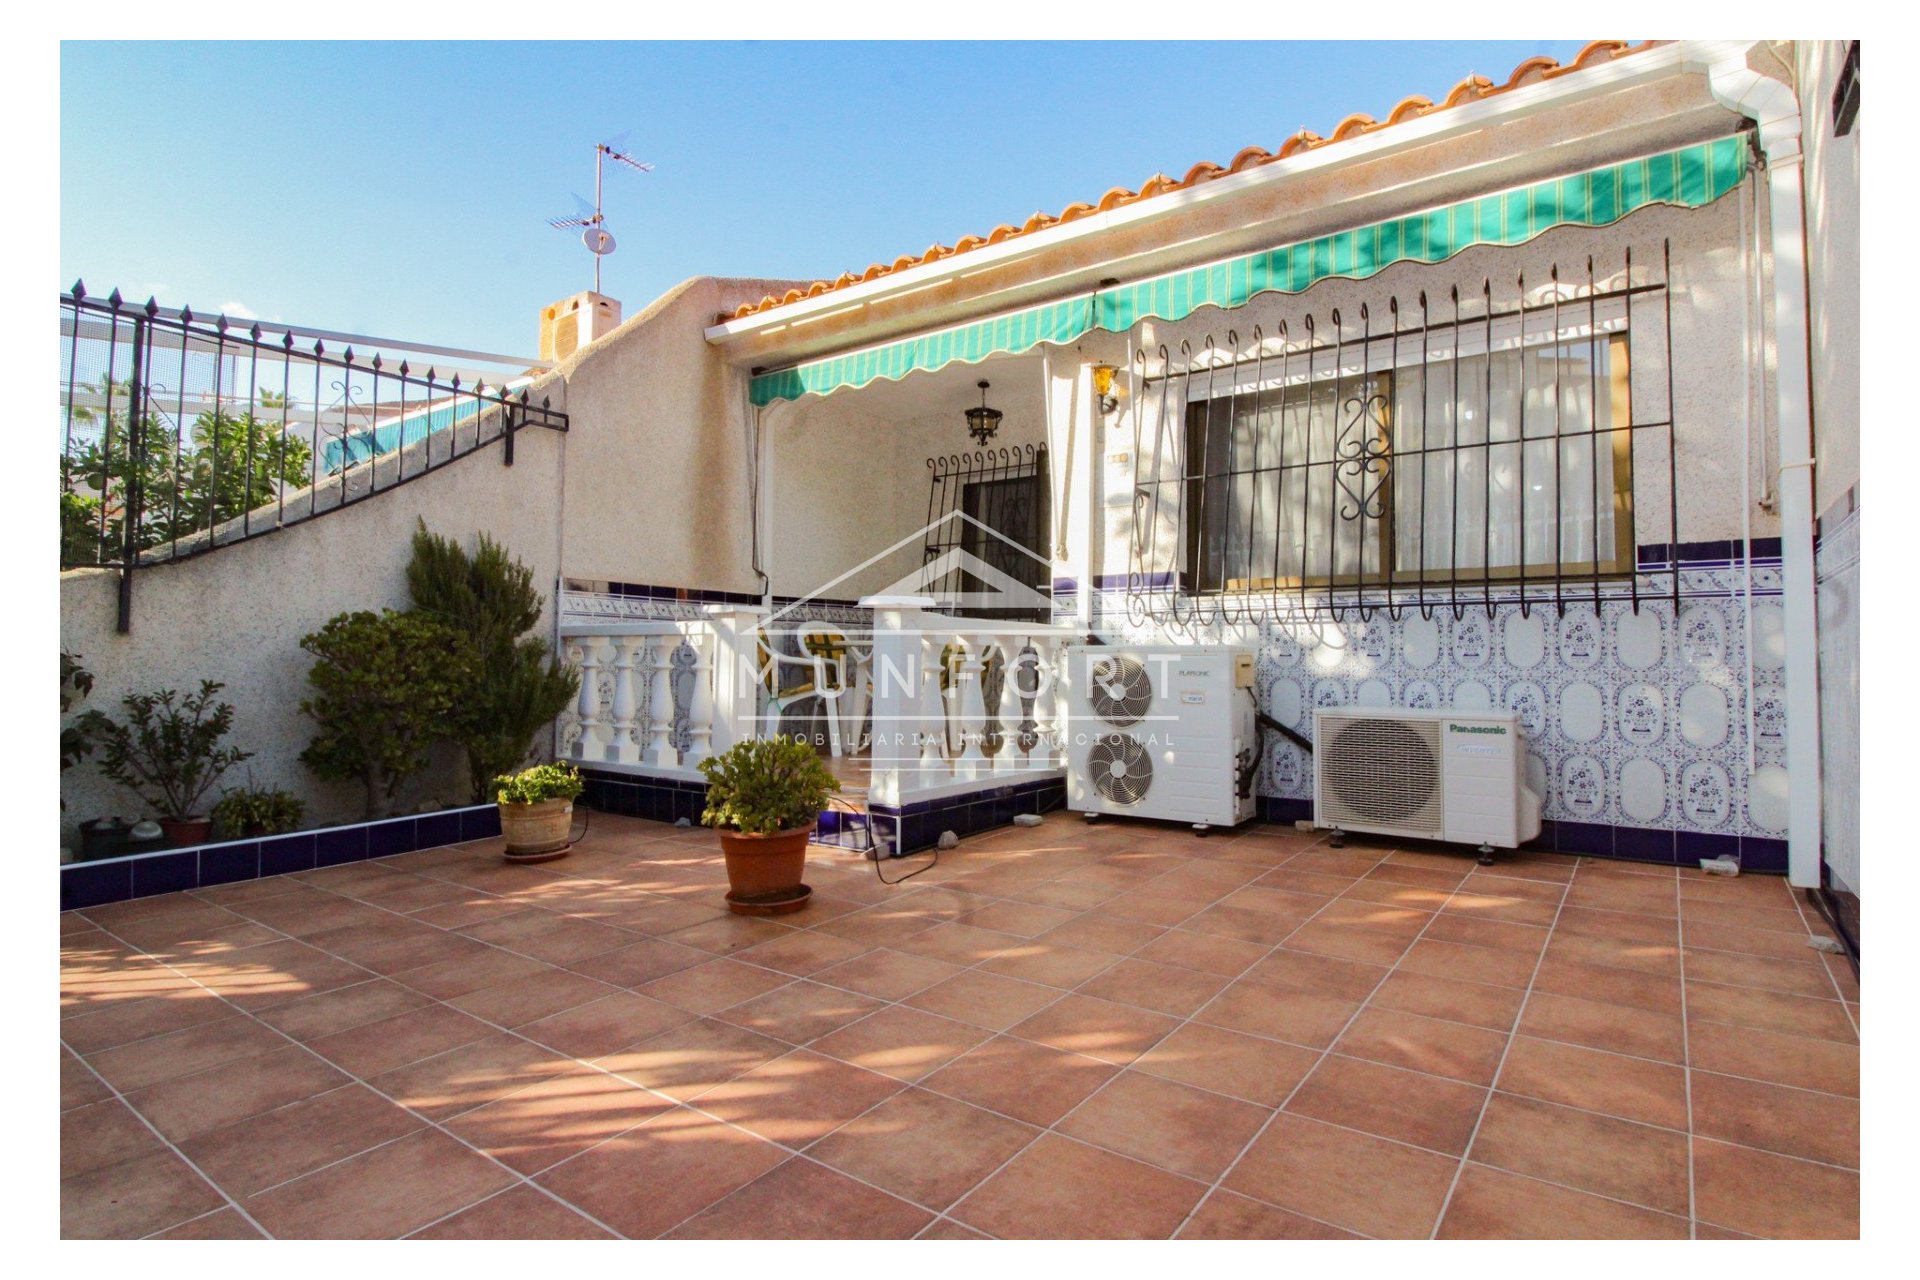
(1774, 107)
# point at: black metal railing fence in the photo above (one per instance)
(181, 434)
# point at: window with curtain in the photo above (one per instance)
(1499, 466)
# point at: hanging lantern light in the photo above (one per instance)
(983, 422)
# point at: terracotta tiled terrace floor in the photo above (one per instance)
(1116, 1030)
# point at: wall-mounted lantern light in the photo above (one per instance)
(983, 422)
(1103, 388)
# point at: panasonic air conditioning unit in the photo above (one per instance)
(1161, 732)
(1456, 776)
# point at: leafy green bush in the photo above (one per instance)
(542, 782)
(386, 686)
(168, 752)
(226, 465)
(76, 682)
(489, 597)
(764, 785)
(258, 811)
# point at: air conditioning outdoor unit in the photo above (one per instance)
(1456, 776)
(1161, 732)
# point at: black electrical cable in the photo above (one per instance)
(910, 875)
(874, 846)
(1250, 767)
(1263, 722)
(1288, 732)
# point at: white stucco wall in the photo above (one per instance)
(647, 486)
(236, 616)
(1832, 186)
(656, 485)
(848, 474)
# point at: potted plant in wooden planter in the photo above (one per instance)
(169, 753)
(536, 811)
(763, 797)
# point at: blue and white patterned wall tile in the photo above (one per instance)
(1632, 718)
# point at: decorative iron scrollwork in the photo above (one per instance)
(1362, 450)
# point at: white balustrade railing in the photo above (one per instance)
(956, 704)
(959, 704)
(630, 719)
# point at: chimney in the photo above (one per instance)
(572, 323)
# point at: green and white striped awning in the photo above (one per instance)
(1689, 177)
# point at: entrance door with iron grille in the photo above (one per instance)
(1005, 495)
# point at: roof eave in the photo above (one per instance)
(1644, 67)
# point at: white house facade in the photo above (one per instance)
(1542, 398)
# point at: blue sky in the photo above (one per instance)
(402, 189)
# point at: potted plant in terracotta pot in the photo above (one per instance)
(763, 797)
(536, 811)
(169, 753)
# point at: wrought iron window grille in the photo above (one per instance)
(1502, 442)
(1006, 490)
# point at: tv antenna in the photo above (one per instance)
(591, 218)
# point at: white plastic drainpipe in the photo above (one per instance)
(1773, 106)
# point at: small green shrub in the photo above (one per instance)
(489, 597)
(168, 752)
(766, 785)
(258, 811)
(386, 688)
(542, 782)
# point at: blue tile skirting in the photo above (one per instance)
(1696, 554)
(918, 826)
(844, 829)
(668, 800)
(912, 827)
(1597, 840)
(141, 875)
(908, 829)
(1657, 555)
(648, 591)
(662, 799)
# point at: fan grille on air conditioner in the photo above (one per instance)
(1120, 769)
(1380, 772)
(1119, 690)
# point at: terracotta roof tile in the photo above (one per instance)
(1472, 89)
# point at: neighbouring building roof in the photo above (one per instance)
(1474, 88)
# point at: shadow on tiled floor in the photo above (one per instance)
(1072, 1030)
